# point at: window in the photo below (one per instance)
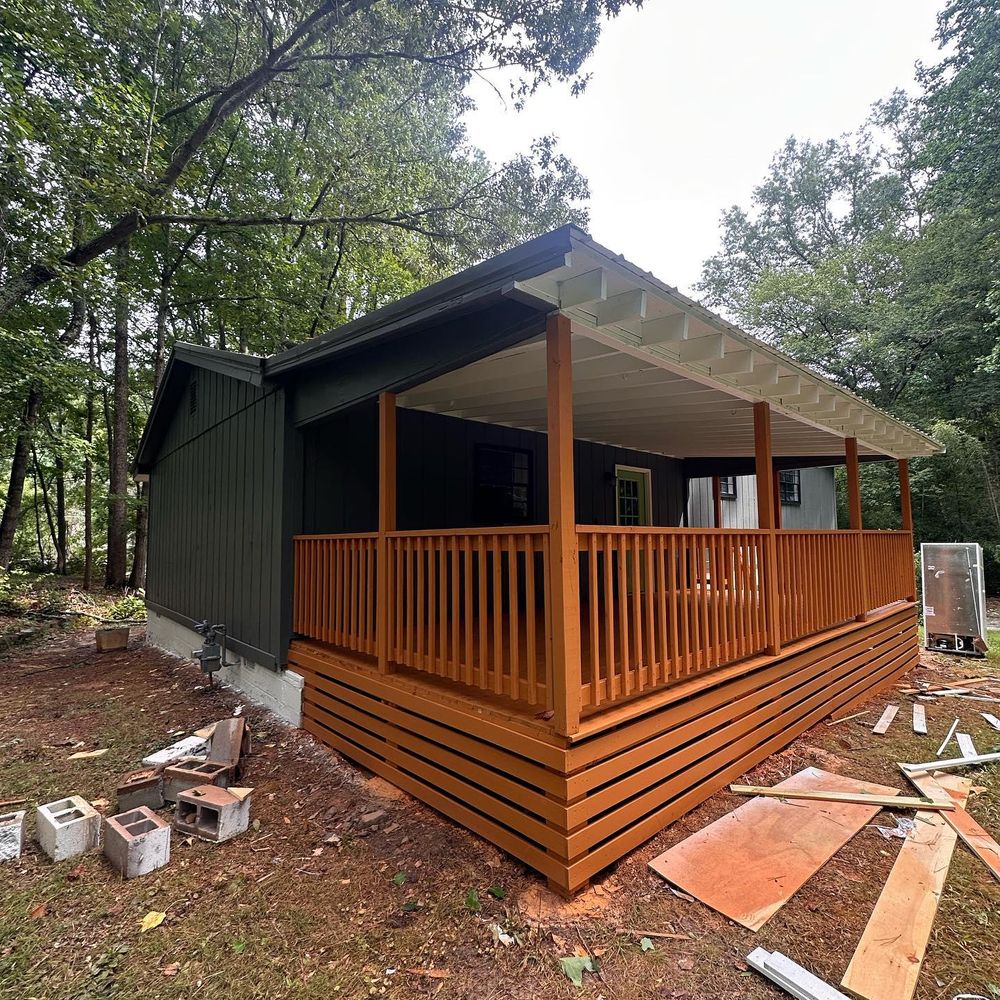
(632, 495)
(727, 487)
(790, 486)
(503, 485)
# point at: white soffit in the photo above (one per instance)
(654, 371)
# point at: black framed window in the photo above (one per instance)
(790, 486)
(727, 487)
(503, 490)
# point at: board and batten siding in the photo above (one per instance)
(818, 509)
(436, 473)
(216, 545)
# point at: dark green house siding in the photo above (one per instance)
(218, 513)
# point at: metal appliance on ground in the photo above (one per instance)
(954, 597)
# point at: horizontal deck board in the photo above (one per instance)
(526, 790)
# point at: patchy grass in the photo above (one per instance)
(286, 911)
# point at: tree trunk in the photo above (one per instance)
(88, 473)
(18, 470)
(137, 578)
(61, 528)
(118, 472)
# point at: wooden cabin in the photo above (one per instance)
(455, 535)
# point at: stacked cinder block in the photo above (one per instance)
(212, 813)
(11, 835)
(136, 842)
(190, 773)
(141, 788)
(67, 827)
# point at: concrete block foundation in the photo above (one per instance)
(136, 842)
(67, 827)
(11, 835)
(190, 773)
(211, 813)
(278, 690)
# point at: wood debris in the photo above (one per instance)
(952, 764)
(991, 720)
(791, 977)
(947, 739)
(885, 720)
(859, 798)
(919, 719)
(965, 745)
(749, 863)
(887, 961)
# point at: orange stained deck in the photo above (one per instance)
(571, 805)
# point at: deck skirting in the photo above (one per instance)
(570, 809)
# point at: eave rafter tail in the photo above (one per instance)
(611, 302)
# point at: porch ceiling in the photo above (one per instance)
(654, 371)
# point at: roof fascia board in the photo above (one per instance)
(459, 292)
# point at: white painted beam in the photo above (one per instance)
(762, 374)
(708, 348)
(733, 363)
(591, 286)
(665, 329)
(787, 385)
(622, 307)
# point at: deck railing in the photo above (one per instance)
(471, 606)
(656, 604)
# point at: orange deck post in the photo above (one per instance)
(567, 675)
(906, 509)
(386, 521)
(717, 501)
(854, 516)
(766, 520)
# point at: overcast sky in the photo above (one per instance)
(689, 101)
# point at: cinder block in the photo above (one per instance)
(140, 788)
(211, 813)
(136, 842)
(190, 773)
(67, 827)
(108, 639)
(190, 746)
(11, 835)
(226, 743)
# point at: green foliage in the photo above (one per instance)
(873, 258)
(332, 181)
(129, 609)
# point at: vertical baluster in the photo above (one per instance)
(547, 606)
(531, 652)
(609, 623)
(467, 664)
(498, 663)
(593, 621)
(686, 600)
(623, 613)
(484, 663)
(650, 574)
(633, 544)
(515, 612)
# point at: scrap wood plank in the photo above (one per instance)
(991, 720)
(973, 835)
(966, 745)
(749, 863)
(947, 739)
(919, 719)
(887, 716)
(861, 798)
(791, 977)
(952, 764)
(887, 961)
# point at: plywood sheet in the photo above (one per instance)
(749, 863)
(887, 962)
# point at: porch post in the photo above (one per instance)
(564, 592)
(776, 488)
(765, 520)
(386, 521)
(905, 506)
(854, 519)
(717, 501)
(906, 510)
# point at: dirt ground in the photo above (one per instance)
(348, 888)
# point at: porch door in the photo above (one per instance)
(633, 507)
